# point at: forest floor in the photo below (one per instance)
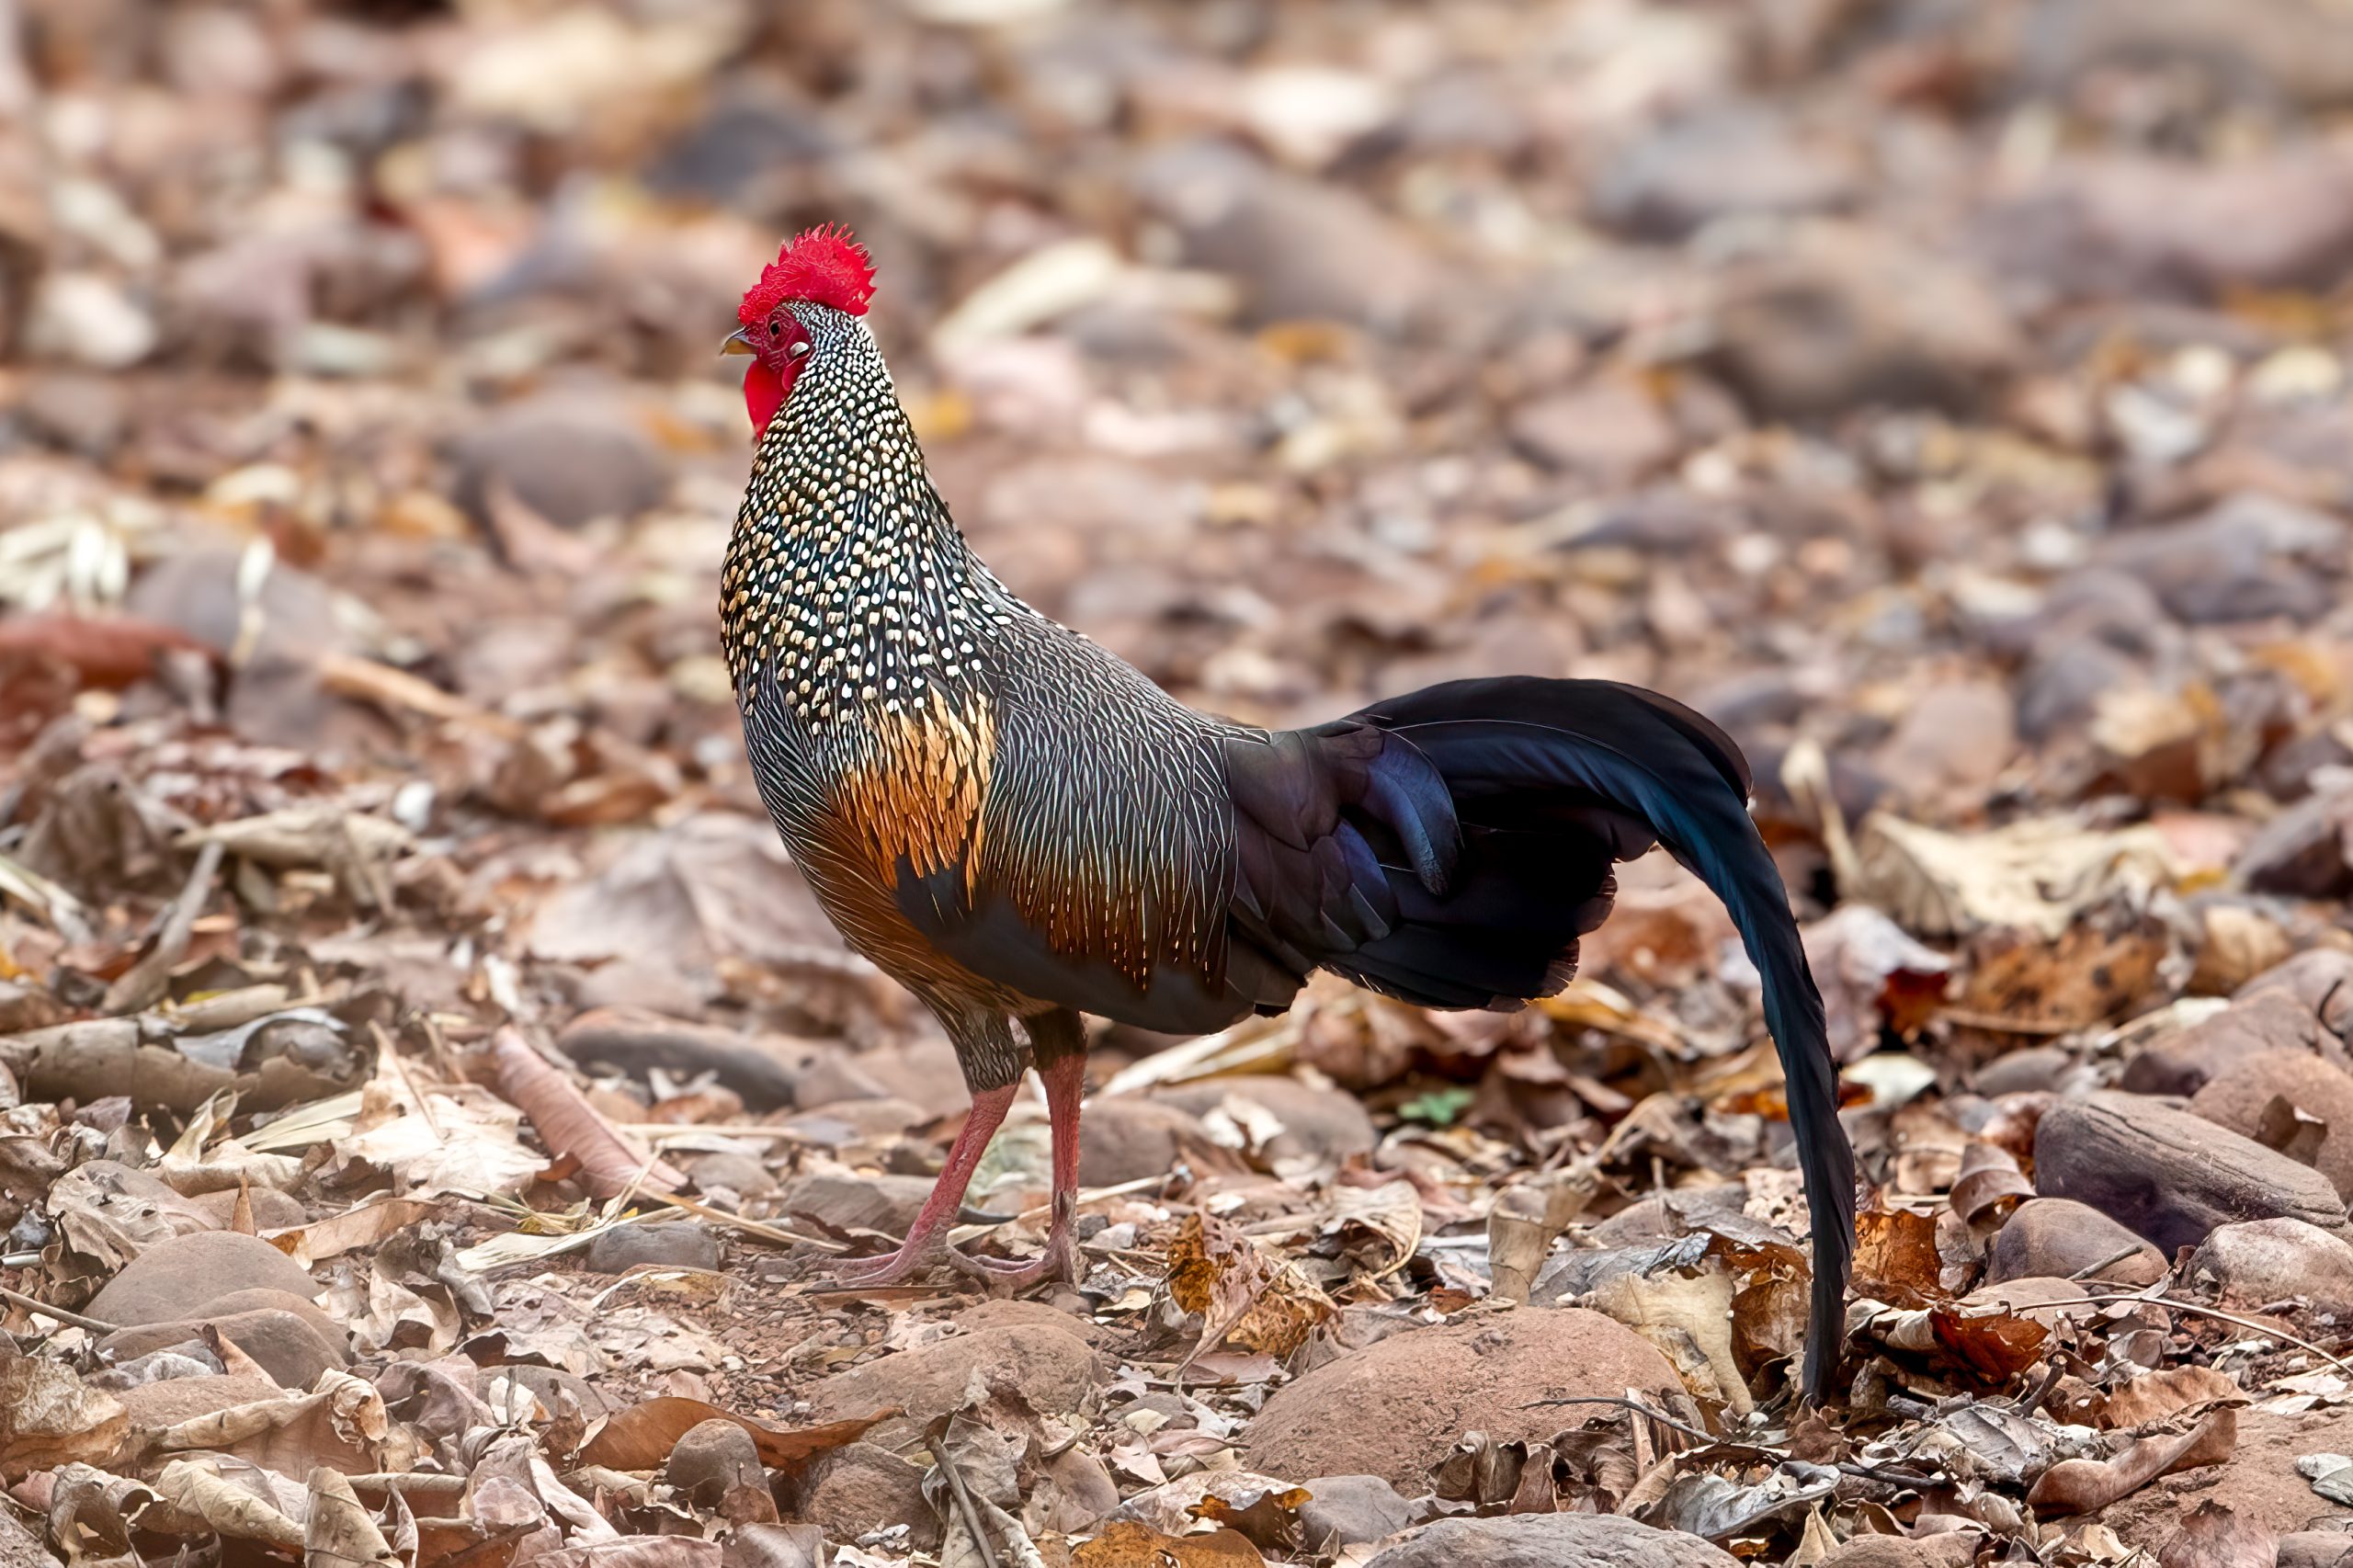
(433, 1097)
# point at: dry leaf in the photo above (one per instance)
(641, 1436)
(2087, 1486)
(1243, 1292)
(1126, 1544)
(48, 1417)
(611, 1163)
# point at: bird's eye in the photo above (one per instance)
(799, 350)
(775, 327)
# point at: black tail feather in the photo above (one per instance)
(1628, 765)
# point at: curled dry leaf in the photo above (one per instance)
(2087, 1485)
(1989, 1186)
(2214, 1536)
(243, 1508)
(1896, 1257)
(611, 1163)
(1243, 1292)
(641, 1436)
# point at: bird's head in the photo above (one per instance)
(783, 317)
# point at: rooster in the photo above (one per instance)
(1022, 828)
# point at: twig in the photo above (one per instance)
(2033, 1402)
(391, 1053)
(79, 1320)
(145, 981)
(776, 1233)
(964, 1503)
(2252, 1326)
(2104, 1265)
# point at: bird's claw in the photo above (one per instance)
(1058, 1262)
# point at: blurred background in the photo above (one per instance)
(1947, 397)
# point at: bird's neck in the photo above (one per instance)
(846, 577)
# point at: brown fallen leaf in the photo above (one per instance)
(1243, 1292)
(1126, 1544)
(1896, 1257)
(1989, 1186)
(610, 1162)
(2213, 1536)
(2087, 1486)
(641, 1436)
(49, 1418)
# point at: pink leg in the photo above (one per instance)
(927, 1242)
(1065, 1079)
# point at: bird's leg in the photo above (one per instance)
(1058, 1041)
(927, 1242)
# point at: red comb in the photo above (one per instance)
(822, 264)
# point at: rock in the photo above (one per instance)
(2247, 557)
(2255, 52)
(2302, 853)
(633, 1041)
(290, 1350)
(1129, 1137)
(2036, 1068)
(2322, 980)
(1076, 1489)
(1721, 163)
(50, 1417)
(2241, 1098)
(681, 1244)
(2314, 1549)
(87, 319)
(2260, 1261)
(2171, 1175)
(154, 1406)
(1298, 248)
(844, 1202)
(712, 1460)
(1024, 1351)
(569, 456)
(259, 1298)
(1952, 738)
(855, 1487)
(1846, 317)
(81, 411)
(2183, 1060)
(740, 1174)
(846, 1122)
(1318, 1124)
(2059, 1236)
(2164, 227)
(1349, 1510)
(178, 1276)
(273, 1210)
(1550, 1541)
(1396, 1409)
(1951, 1548)
(1610, 429)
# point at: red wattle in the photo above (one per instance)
(764, 392)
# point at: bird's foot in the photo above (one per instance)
(1058, 1262)
(895, 1267)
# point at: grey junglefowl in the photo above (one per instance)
(1022, 828)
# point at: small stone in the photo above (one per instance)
(1349, 1510)
(1024, 1351)
(260, 1298)
(2242, 1096)
(571, 459)
(1610, 429)
(1129, 1137)
(1717, 163)
(2171, 1175)
(712, 1460)
(293, 1352)
(2313, 1549)
(87, 319)
(187, 1273)
(2060, 1236)
(2261, 1261)
(684, 1244)
(843, 1202)
(154, 1406)
(860, 1485)
(1550, 1541)
(740, 1174)
(1396, 1409)
(1951, 1548)
(2184, 1060)
(1317, 1124)
(634, 1041)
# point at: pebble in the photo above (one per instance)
(174, 1278)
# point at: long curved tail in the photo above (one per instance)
(1494, 808)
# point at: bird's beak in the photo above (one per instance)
(738, 342)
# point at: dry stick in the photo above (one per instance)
(391, 1053)
(2104, 1265)
(964, 1504)
(145, 981)
(79, 1320)
(2248, 1324)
